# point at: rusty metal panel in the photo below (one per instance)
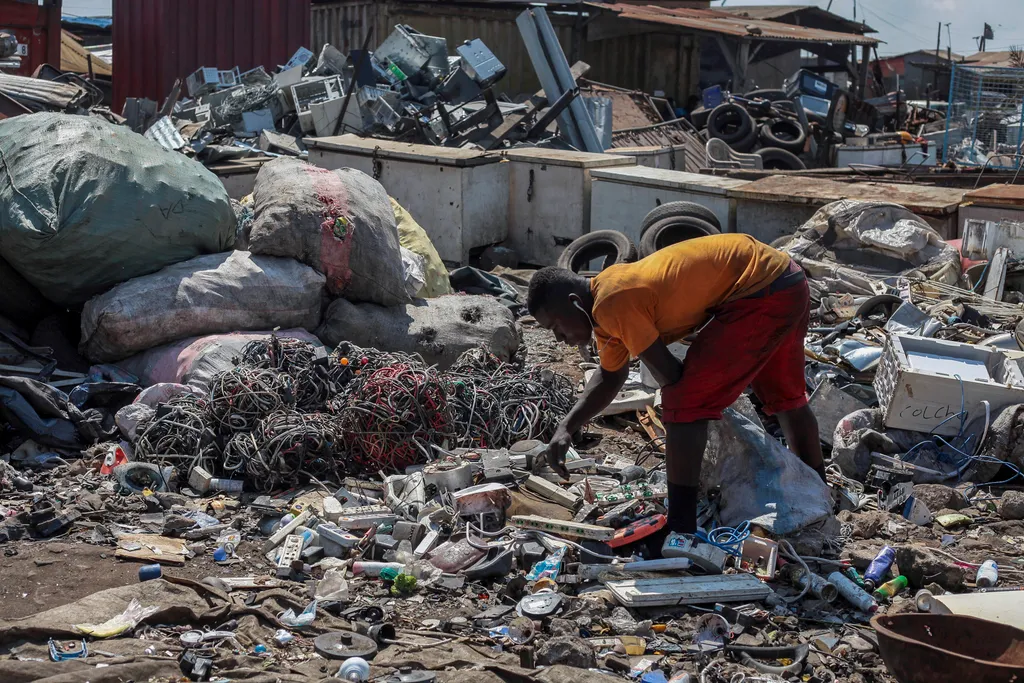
(36, 26)
(157, 41)
(344, 24)
(713, 21)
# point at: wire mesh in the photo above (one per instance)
(984, 126)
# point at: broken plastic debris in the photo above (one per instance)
(288, 617)
(126, 620)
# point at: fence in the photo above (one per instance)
(984, 125)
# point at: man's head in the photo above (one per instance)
(560, 301)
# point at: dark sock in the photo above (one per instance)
(682, 508)
(820, 469)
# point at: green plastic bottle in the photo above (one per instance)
(891, 588)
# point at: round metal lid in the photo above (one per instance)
(343, 645)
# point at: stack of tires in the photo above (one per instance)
(666, 225)
(758, 123)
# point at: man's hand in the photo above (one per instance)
(555, 453)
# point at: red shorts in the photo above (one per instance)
(757, 342)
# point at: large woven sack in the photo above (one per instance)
(339, 222)
(205, 295)
(85, 204)
(439, 329)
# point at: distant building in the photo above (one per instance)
(990, 59)
(772, 66)
(921, 75)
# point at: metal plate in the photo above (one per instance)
(409, 675)
(343, 645)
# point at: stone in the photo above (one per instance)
(922, 565)
(937, 497)
(173, 524)
(562, 627)
(867, 525)
(567, 650)
(1011, 505)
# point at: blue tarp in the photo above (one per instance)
(94, 22)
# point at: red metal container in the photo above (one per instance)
(35, 26)
(156, 41)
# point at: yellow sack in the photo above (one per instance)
(413, 237)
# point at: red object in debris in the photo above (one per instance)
(37, 27)
(113, 458)
(638, 530)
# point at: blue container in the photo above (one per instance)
(879, 567)
(150, 571)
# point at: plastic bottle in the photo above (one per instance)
(355, 669)
(988, 574)
(549, 567)
(374, 568)
(879, 566)
(889, 590)
(852, 593)
(854, 575)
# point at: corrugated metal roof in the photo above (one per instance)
(765, 11)
(773, 12)
(723, 23)
(989, 59)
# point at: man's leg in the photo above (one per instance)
(684, 454)
(801, 430)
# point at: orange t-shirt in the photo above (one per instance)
(668, 294)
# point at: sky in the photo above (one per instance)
(904, 25)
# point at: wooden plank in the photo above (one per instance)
(688, 590)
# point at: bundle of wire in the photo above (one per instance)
(393, 415)
(284, 446)
(501, 403)
(242, 396)
(178, 434)
(312, 381)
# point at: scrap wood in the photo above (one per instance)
(154, 549)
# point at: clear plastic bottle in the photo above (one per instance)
(988, 574)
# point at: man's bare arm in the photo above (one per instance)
(599, 392)
(665, 367)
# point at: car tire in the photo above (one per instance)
(672, 230)
(672, 209)
(730, 123)
(776, 159)
(784, 134)
(611, 245)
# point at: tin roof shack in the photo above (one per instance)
(776, 62)
(633, 46)
(921, 74)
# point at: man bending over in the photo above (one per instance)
(748, 305)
